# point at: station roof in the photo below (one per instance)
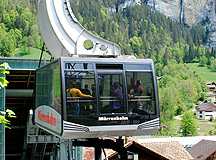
(203, 149)
(23, 63)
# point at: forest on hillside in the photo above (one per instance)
(148, 34)
(138, 30)
(18, 26)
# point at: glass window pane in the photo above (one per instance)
(80, 86)
(48, 87)
(132, 67)
(141, 93)
(111, 93)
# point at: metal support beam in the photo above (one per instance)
(97, 153)
(42, 139)
(41, 55)
(70, 149)
(63, 150)
(118, 146)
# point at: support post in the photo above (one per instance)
(121, 150)
(41, 55)
(97, 143)
(63, 150)
(97, 153)
(70, 149)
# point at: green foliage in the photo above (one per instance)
(7, 114)
(188, 125)
(170, 128)
(212, 64)
(17, 21)
(178, 89)
(148, 34)
(135, 28)
(3, 82)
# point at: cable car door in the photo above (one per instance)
(111, 92)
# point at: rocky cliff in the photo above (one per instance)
(190, 12)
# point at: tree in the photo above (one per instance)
(188, 125)
(7, 45)
(186, 57)
(191, 52)
(202, 61)
(166, 56)
(6, 19)
(18, 37)
(154, 29)
(213, 64)
(198, 53)
(3, 83)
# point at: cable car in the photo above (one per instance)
(119, 97)
(90, 90)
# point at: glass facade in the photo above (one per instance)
(48, 90)
(14, 63)
(23, 63)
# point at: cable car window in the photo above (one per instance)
(111, 93)
(48, 87)
(133, 67)
(141, 96)
(80, 94)
(78, 66)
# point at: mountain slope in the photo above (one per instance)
(189, 12)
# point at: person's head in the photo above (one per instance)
(86, 86)
(115, 85)
(138, 82)
(73, 85)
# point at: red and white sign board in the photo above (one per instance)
(48, 118)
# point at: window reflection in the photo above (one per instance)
(48, 87)
(140, 90)
(80, 93)
(111, 93)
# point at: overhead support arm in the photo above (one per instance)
(65, 36)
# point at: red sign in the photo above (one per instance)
(47, 118)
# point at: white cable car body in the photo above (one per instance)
(118, 106)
